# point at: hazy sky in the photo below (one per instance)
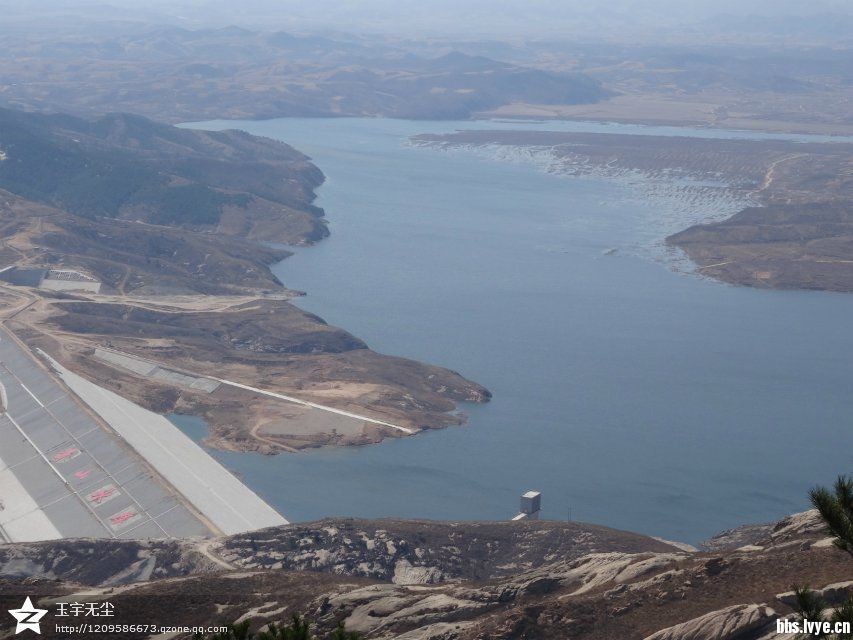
(475, 18)
(462, 16)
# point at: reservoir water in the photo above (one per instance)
(631, 395)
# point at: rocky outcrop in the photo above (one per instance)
(102, 562)
(599, 569)
(376, 610)
(737, 537)
(833, 594)
(427, 552)
(733, 623)
(465, 581)
(796, 526)
(402, 552)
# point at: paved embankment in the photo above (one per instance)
(213, 490)
(63, 475)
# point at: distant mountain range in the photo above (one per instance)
(175, 74)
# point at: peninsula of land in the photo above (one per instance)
(132, 253)
(796, 233)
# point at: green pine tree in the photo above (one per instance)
(342, 634)
(836, 510)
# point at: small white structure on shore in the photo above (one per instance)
(69, 280)
(531, 503)
(50, 279)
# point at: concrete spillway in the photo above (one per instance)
(213, 490)
(64, 475)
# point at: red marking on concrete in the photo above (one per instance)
(122, 517)
(65, 455)
(100, 495)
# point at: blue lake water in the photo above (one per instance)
(632, 395)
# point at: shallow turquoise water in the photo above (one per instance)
(631, 395)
